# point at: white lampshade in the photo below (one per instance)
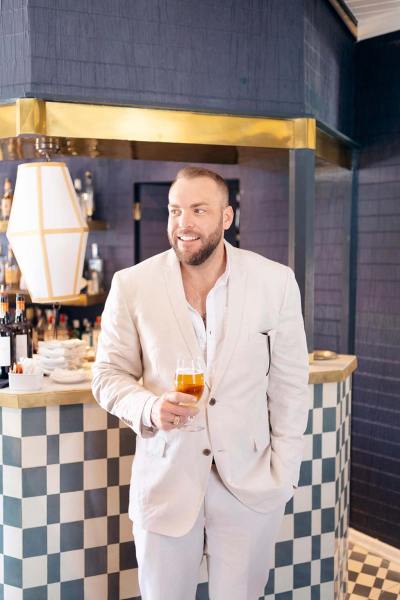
(47, 231)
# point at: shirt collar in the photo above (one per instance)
(223, 279)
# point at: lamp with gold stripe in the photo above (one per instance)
(47, 232)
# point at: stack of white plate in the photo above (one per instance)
(68, 354)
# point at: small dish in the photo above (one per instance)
(68, 376)
(324, 355)
(25, 382)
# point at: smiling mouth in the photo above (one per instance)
(187, 238)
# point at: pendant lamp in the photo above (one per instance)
(47, 232)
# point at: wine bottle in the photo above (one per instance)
(22, 332)
(5, 337)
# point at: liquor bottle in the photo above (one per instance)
(2, 266)
(88, 195)
(49, 332)
(5, 337)
(12, 272)
(6, 200)
(62, 329)
(87, 335)
(22, 332)
(76, 329)
(95, 283)
(80, 197)
(41, 325)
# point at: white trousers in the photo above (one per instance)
(238, 544)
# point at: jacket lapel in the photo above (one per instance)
(176, 293)
(234, 313)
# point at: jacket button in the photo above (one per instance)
(206, 452)
(212, 401)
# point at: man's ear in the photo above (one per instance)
(228, 217)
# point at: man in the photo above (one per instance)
(221, 490)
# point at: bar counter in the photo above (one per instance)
(65, 486)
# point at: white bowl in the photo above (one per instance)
(23, 382)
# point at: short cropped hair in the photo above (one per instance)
(193, 172)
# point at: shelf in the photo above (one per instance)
(97, 225)
(83, 299)
(87, 300)
(94, 225)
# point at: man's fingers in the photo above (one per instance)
(180, 398)
(181, 411)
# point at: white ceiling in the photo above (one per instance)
(375, 17)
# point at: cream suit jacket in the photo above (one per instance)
(255, 427)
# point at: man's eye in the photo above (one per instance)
(173, 212)
(199, 211)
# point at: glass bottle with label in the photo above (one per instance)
(76, 329)
(95, 283)
(80, 197)
(5, 337)
(88, 195)
(22, 330)
(12, 272)
(87, 335)
(6, 200)
(62, 329)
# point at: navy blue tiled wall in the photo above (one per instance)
(332, 194)
(281, 57)
(228, 55)
(376, 415)
(329, 50)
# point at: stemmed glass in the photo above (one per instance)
(189, 379)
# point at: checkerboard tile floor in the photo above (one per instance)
(371, 576)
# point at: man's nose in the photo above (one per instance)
(185, 219)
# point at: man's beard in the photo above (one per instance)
(208, 247)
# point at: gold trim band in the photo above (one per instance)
(32, 116)
(52, 298)
(42, 164)
(48, 231)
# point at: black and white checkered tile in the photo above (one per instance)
(371, 576)
(311, 555)
(65, 530)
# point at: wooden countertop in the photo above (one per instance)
(334, 370)
(327, 371)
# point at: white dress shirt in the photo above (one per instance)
(210, 334)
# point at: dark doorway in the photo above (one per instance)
(150, 215)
